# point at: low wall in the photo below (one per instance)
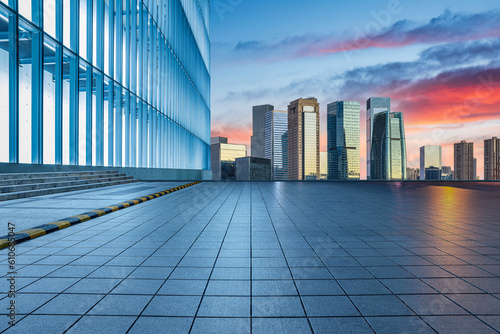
(146, 174)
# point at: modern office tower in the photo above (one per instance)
(464, 161)
(303, 139)
(258, 128)
(276, 143)
(343, 140)
(223, 158)
(446, 173)
(105, 83)
(430, 157)
(492, 159)
(252, 168)
(386, 143)
(323, 165)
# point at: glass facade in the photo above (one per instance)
(310, 145)
(430, 157)
(105, 83)
(343, 140)
(276, 145)
(223, 158)
(386, 142)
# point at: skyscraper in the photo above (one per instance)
(275, 144)
(464, 161)
(258, 129)
(106, 83)
(343, 140)
(430, 157)
(386, 143)
(492, 159)
(303, 139)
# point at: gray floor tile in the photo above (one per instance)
(319, 288)
(120, 305)
(173, 306)
(273, 288)
(388, 305)
(277, 307)
(432, 305)
(103, 324)
(165, 325)
(454, 324)
(71, 304)
(238, 307)
(137, 287)
(228, 288)
(329, 306)
(280, 326)
(221, 326)
(49, 323)
(350, 325)
(397, 325)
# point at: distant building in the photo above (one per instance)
(386, 143)
(217, 140)
(252, 168)
(432, 173)
(464, 161)
(474, 169)
(258, 129)
(323, 165)
(276, 143)
(223, 158)
(446, 173)
(343, 140)
(430, 158)
(412, 174)
(492, 159)
(303, 139)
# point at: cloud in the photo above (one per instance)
(448, 27)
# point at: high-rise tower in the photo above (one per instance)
(303, 139)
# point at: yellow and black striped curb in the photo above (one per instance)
(37, 231)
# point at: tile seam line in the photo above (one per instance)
(38, 231)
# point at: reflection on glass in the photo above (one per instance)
(49, 91)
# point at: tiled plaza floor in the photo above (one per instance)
(271, 258)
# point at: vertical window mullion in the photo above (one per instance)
(36, 97)
(73, 110)
(13, 86)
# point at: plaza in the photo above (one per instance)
(264, 257)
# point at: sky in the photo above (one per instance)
(439, 61)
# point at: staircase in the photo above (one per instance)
(22, 185)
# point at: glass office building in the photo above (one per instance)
(105, 83)
(386, 142)
(276, 144)
(430, 158)
(303, 139)
(343, 140)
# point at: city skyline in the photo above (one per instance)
(431, 62)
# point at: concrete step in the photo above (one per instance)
(48, 185)
(11, 176)
(32, 180)
(48, 191)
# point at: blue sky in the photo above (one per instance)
(438, 60)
